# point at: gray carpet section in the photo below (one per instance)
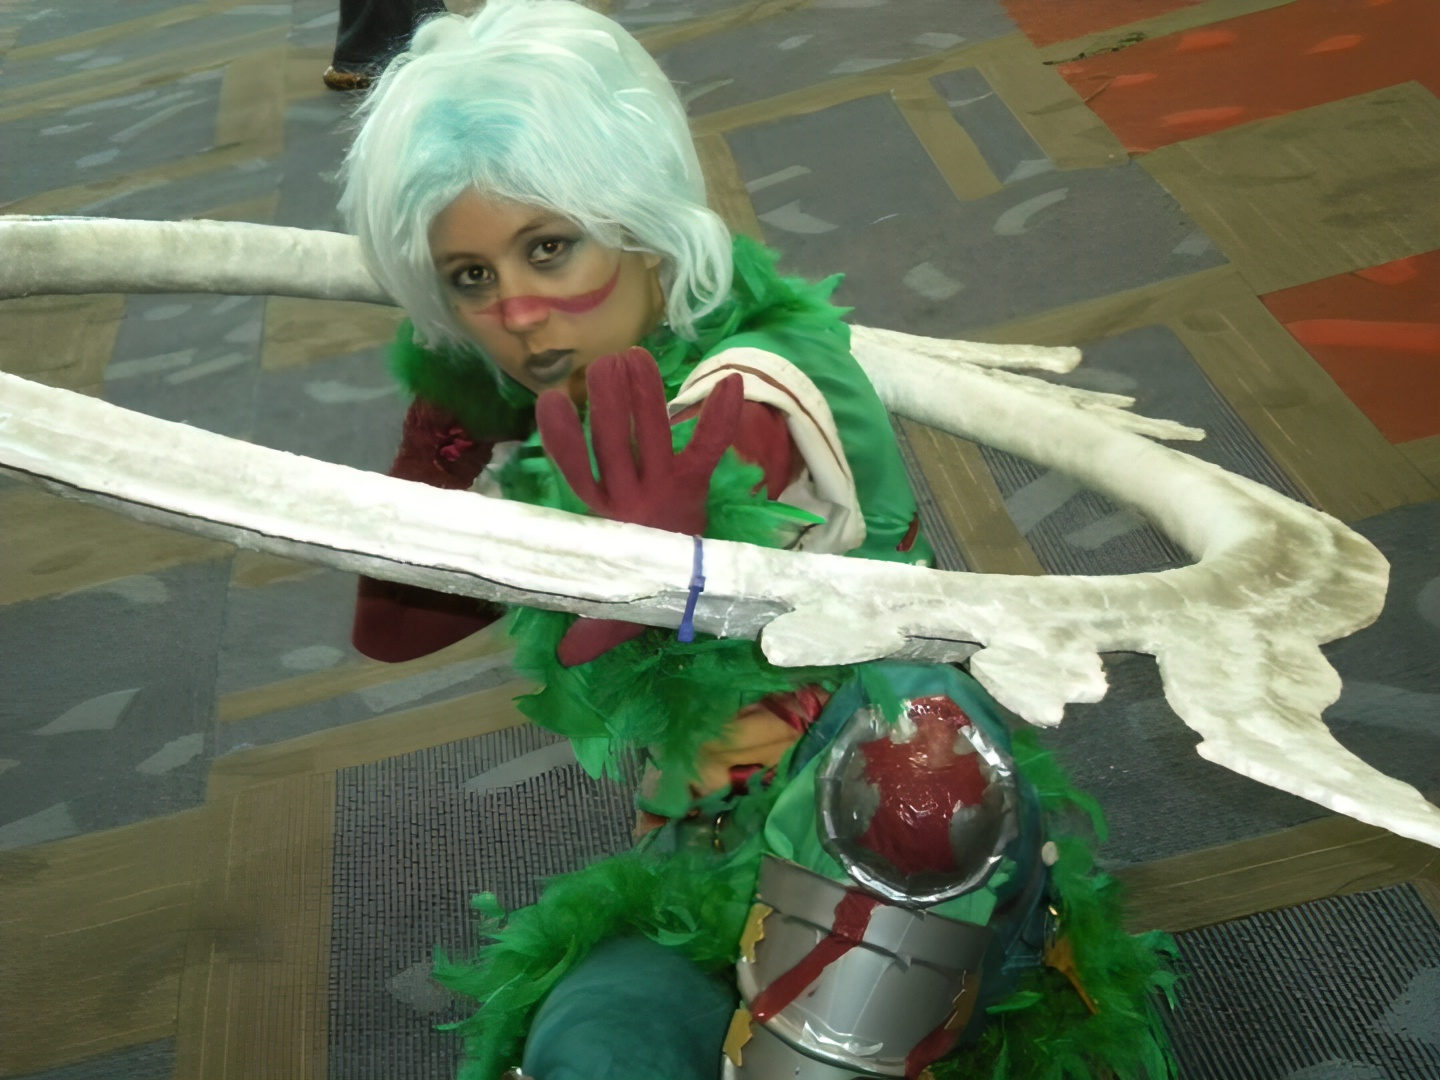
(1074, 531)
(317, 133)
(1388, 709)
(415, 838)
(834, 187)
(426, 688)
(1003, 142)
(99, 140)
(191, 359)
(828, 39)
(313, 24)
(1133, 753)
(1341, 989)
(50, 23)
(150, 1061)
(1160, 797)
(286, 629)
(192, 196)
(348, 409)
(639, 15)
(107, 700)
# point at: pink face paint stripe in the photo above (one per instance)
(530, 308)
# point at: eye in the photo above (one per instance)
(472, 277)
(551, 249)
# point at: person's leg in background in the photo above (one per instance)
(371, 32)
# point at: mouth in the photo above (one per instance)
(550, 366)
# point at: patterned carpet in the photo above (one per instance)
(1229, 204)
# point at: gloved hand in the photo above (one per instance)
(642, 480)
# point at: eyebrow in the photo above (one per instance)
(534, 225)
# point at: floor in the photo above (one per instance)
(1229, 203)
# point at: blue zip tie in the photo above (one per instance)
(686, 633)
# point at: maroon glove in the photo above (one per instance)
(394, 623)
(764, 440)
(642, 480)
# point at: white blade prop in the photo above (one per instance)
(1236, 635)
(44, 255)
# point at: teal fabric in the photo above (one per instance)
(633, 1010)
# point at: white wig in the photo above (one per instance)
(541, 102)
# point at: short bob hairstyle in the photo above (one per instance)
(540, 102)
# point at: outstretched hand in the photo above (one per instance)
(642, 479)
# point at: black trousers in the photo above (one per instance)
(373, 31)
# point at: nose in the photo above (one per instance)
(521, 313)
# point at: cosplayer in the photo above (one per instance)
(844, 871)
(847, 871)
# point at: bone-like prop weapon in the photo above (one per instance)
(1236, 635)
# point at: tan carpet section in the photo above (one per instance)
(55, 546)
(62, 341)
(298, 332)
(1320, 192)
(93, 935)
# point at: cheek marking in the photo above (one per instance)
(531, 308)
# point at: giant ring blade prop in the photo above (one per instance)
(1237, 635)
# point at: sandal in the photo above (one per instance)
(347, 80)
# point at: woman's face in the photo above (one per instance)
(539, 296)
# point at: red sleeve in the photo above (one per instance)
(394, 622)
(436, 449)
(764, 440)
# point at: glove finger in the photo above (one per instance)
(588, 638)
(716, 429)
(564, 440)
(653, 445)
(610, 426)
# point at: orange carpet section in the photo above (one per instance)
(1048, 21)
(1267, 64)
(1377, 333)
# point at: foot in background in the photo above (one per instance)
(371, 32)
